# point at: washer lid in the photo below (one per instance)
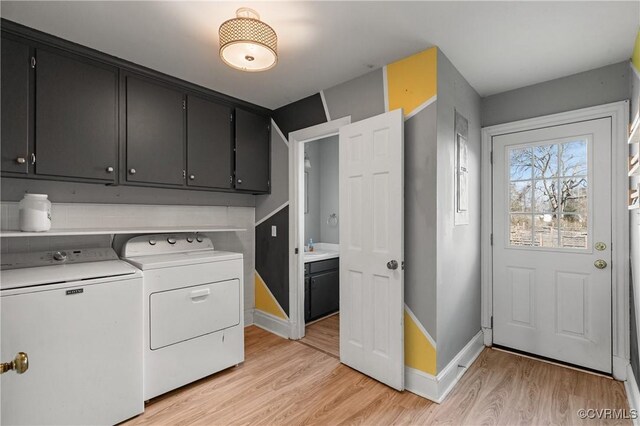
(181, 259)
(42, 275)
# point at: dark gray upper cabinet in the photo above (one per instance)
(76, 117)
(208, 144)
(155, 148)
(14, 140)
(252, 152)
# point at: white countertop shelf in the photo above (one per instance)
(5, 233)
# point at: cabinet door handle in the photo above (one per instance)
(33, 158)
(21, 160)
(109, 169)
(132, 171)
(240, 181)
(192, 177)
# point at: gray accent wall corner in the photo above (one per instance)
(595, 87)
(458, 250)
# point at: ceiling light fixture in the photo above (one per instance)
(247, 43)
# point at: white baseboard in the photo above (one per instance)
(248, 317)
(488, 336)
(633, 393)
(271, 323)
(436, 388)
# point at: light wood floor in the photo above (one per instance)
(324, 335)
(285, 382)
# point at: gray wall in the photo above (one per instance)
(634, 234)
(312, 217)
(458, 270)
(323, 190)
(72, 192)
(329, 189)
(594, 87)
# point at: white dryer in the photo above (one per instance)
(77, 314)
(193, 308)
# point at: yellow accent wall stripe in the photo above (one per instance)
(419, 353)
(635, 57)
(412, 81)
(265, 301)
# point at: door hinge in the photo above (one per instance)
(33, 62)
(402, 265)
(491, 239)
(184, 105)
(491, 157)
(184, 174)
(492, 321)
(231, 117)
(268, 184)
(296, 250)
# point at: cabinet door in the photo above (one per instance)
(154, 133)
(76, 117)
(252, 152)
(307, 299)
(325, 294)
(208, 144)
(14, 140)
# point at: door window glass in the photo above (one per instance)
(549, 195)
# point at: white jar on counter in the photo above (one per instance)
(35, 213)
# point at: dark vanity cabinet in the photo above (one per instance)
(209, 144)
(76, 132)
(322, 288)
(253, 135)
(14, 134)
(154, 133)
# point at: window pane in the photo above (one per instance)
(545, 198)
(545, 230)
(573, 195)
(520, 196)
(574, 231)
(545, 161)
(520, 230)
(520, 163)
(574, 158)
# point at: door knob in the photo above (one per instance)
(392, 264)
(109, 169)
(600, 264)
(20, 364)
(21, 160)
(132, 171)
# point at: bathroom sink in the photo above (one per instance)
(312, 256)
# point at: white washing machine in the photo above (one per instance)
(77, 314)
(193, 308)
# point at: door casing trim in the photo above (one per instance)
(619, 113)
(296, 217)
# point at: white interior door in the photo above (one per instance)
(371, 247)
(552, 242)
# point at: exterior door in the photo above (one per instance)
(371, 247)
(552, 242)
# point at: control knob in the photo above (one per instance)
(60, 256)
(171, 240)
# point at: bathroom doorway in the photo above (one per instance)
(314, 236)
(321, 244)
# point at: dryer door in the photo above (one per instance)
(190, 312)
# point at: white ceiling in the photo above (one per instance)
(497, 46)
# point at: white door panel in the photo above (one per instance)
(372, 201)
(551, 205)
